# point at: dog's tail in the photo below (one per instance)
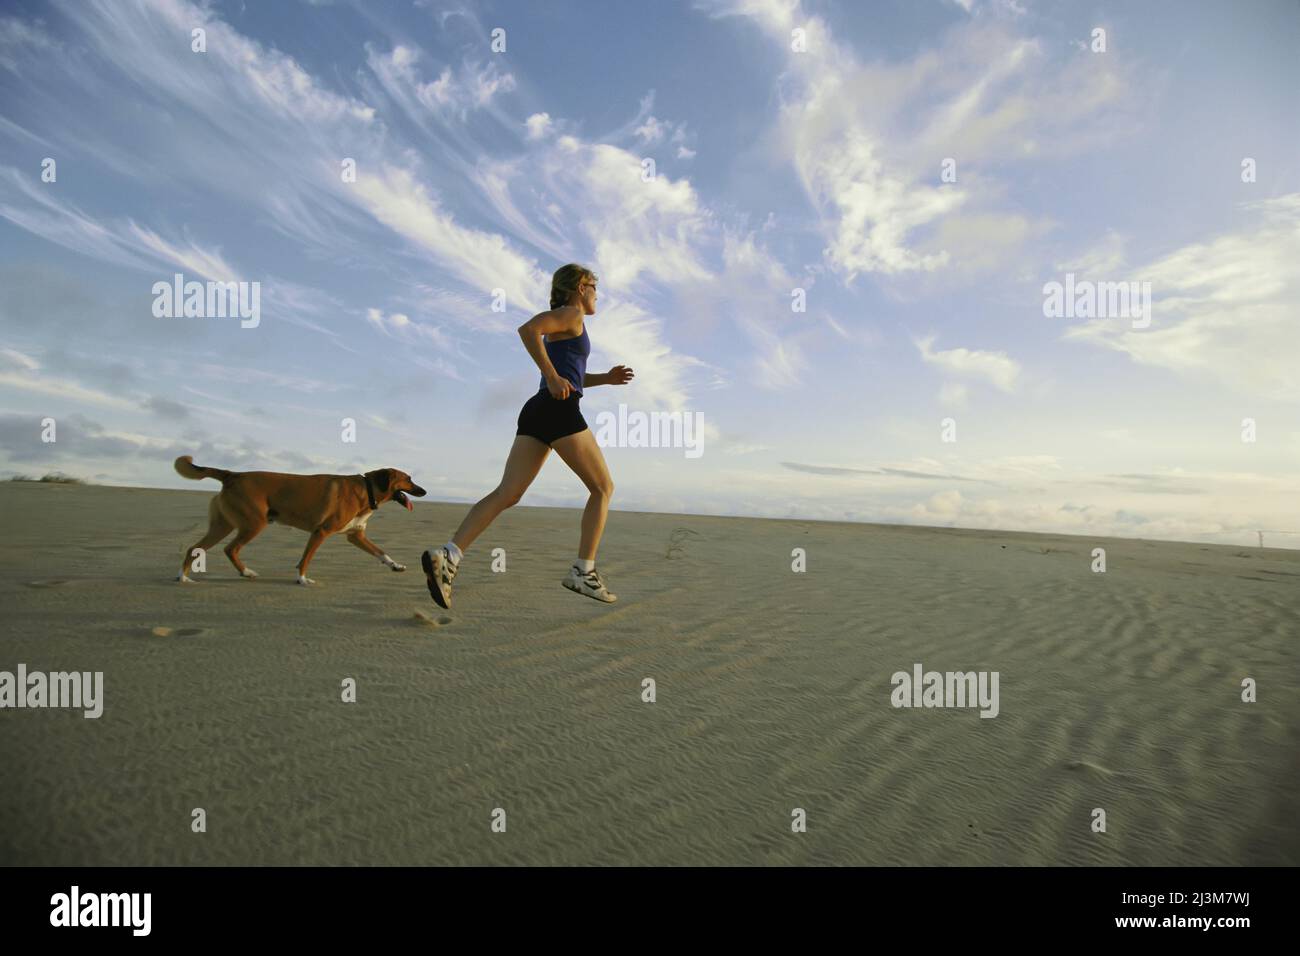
(186, 468)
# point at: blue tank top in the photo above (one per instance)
(569, 356)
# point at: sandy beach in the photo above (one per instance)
(1119, 690)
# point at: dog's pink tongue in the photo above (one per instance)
(409, 506)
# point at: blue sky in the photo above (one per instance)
(776, 169)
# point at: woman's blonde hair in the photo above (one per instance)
(566, 280)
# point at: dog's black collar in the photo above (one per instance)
(370, 493)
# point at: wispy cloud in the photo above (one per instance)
(891, 472)
(1225, 309)
(867, 139)
(186, 255)
(423, 101)
(480, 259)
(22, 38)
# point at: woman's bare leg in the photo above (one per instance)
(524, 462)
(581, 453)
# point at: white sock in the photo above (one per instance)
(584, 565)
(455, 552)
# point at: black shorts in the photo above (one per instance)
(548, 419)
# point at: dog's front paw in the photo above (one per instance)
(248, 573)
(184, 578)
(303, 580)
(397, 567)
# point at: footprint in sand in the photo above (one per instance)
(678, 540)
(53, 582)
(176, 632)
(430, 621)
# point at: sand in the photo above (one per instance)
(1118, 690)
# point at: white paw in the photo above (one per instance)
(303, 580)
(184, 578)
(397, 567)
(248, 573)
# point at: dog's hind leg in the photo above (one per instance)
(358, 537)
(218, 528)
(246, 534)
(314, 542)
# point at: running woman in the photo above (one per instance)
(550, 419)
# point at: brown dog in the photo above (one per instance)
(319, 504)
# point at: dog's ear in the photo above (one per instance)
(383, 479)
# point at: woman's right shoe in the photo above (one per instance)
(439, 571)
(589, 583)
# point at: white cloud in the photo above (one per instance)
(860, 333)
(626, 334)
(542, 228)
(12, 359)
(1224, 309)
(401, 326)
(774, 16)
(651, 131)
(943, 504)
(874, 211)
(135, 36)
(1006, 7)
(996, 368)
(26, 204)
(1101, 260)
(242, 375)
(641, 230)
(780, 365)
(187, 256)
(29, 380)
(538, 125)
(473, 89)
(1222, 509)
(482, 260)
(128, 244)
(867, 139)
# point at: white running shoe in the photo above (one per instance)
(439, 571)
(589, 583)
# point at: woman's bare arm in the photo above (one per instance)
(618, 375)
(567, 318)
